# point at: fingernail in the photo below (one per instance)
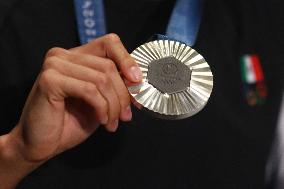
(128, 113)
(135, 73)
(115, 125)
(105, 120)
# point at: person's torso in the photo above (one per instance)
(224, 146)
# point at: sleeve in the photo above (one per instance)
(12, 92)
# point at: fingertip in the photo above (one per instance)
(126, 115)
(112, 127)
(115, 125)
(135, 74)
(104, 120)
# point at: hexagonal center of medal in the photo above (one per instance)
(169, 75)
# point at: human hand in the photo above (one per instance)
(75, 92)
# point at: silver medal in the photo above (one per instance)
(177, 81)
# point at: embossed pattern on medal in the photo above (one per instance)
(177, 105)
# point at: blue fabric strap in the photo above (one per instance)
(183, 25)
(185, 21)
(90, 19)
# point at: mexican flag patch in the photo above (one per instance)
(255, 90)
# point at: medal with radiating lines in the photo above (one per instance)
(177, 81)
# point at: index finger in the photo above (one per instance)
(110, 46)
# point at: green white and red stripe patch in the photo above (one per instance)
(251, 69)
(253, 79)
